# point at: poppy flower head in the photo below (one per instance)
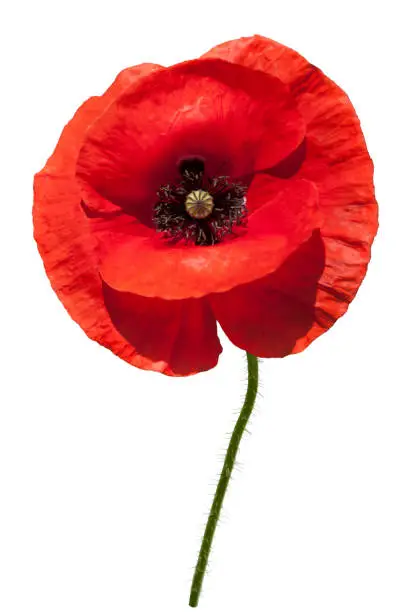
(249, 152)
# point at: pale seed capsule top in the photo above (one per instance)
(199, 204)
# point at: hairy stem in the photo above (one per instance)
(224, 480)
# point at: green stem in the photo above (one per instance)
(224, 480)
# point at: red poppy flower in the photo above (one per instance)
(236, 188)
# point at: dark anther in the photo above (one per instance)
(199, 209)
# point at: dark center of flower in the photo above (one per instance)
(199, 208)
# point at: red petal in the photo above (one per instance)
(236, 119)
(68, 248)
(345, 267)
(178, 335)
(153, 268)
(268, 316)
(336, 160)
(63, 160)
(260, 53)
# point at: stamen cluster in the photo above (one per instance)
(229, 209)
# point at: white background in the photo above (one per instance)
(106, 472)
